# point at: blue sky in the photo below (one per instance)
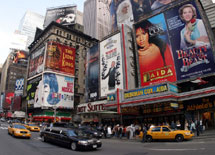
(11, 12)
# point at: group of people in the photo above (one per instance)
(194, 126)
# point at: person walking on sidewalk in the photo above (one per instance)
(144, 134)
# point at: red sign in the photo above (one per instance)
(60, 58)
(9, 97)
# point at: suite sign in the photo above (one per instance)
(90, 107)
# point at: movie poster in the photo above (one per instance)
(92, 74)
(190, 43)
(156, 63)
(111, 72)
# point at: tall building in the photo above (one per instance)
(96, 18)
(28, 25)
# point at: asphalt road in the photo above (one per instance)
(34, 146)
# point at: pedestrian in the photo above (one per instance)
(198, 128)
(144, 133)
(173, 125)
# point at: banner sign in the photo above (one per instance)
(19, 87)
(145, 91)
(111, 72)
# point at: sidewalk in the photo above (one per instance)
(206, 134)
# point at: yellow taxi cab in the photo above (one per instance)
(18, 130)
(165, 133)
(32, 127)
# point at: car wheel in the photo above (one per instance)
(149, 138)
(179, 138)
(8, 132)
(13, 134)
(43, 139)
(73, 146)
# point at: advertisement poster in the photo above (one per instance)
(130, 11)
(111, 73)
(92, 74)
(19, 87)
(156, 63)
(61, 15)
(33, 96)
(60, 58)
(36, 64)
(190, 43)
(19, 56)
(58, 91)
(9, 97)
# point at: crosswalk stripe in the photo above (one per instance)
(3, 128)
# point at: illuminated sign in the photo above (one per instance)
(146, 91)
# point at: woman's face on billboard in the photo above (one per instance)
(46, 91)
(142, 38)
(187, 14)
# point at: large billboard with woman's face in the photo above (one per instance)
(36, 64)
(190, 43)
(60, 58)
(58, 91)
(92, 74)
(111, 73)
(156, 64)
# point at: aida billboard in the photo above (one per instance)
(190, 43)
(58, 91)
(92, 74)
(130, 11)
(60, 58)
(61, 15)
(36, 64)
(111, 72)
(156, 63)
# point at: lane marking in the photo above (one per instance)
(177, 149)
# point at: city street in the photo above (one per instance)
(16, 146)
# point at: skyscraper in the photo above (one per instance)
(96, 18)
(28, 25)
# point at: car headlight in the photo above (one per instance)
(17, 132)
(82, 142)
(98, 141)
(187, 133)
(95, 133)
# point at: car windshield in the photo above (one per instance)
(17, 126)
(31, 124)
(76, 133)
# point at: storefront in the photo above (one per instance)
(95, 112)
(163, 103)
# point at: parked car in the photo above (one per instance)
(32, 127)
(92, 131)
(18, 130)
(165, 133)
(73, 138)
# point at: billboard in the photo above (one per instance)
(32, 93)
(190, 43)
(130, 11)
(156, 63)
(61, 15)
(18, 56)
(36, 64)
(9, 99)
(60, 58)
(111, 73)
(58, 91)
(19, 87)
(92, 74)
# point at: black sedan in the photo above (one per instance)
(73, 138)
